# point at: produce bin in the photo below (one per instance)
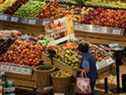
(42, 76)
(60, 85)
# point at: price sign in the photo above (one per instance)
(14, 19)
(60, 28)
(4, 68)
(116, 31)
(3, 17)
(24, 21)
(15, 69)
(83, 27)
(31, 21)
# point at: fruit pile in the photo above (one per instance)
(23, 53)
(77, 1)
(68, 57)
(99, 53)
(14, 7)
(103, 3)
(4, 4)
(30, 10)
(70, 45)
(106, 17)
(52, 10)
(62, 74)
(107, 3)
(79, 11)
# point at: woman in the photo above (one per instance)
(88, 64)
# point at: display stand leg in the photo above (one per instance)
(118, 59)
(106, 85)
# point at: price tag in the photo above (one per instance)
(45, 21)
(24, 21)
(12, 69)
(4, 68)
(3, 17)
(14, 19)
(116, 31)
(97, 29)
(15, 69)
(32, 21)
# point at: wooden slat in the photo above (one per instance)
(23, 83)
(24, 28)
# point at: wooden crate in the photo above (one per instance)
(22, 81)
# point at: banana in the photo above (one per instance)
(6, 4)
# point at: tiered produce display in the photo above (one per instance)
(53, 10)
(30, 61)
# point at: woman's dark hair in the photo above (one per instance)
(83, 47)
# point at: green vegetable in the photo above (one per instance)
(30, 10)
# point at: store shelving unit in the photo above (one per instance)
(91, 33)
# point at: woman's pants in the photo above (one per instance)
(92, 84)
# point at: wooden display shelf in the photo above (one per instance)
(24, 28)
(100, 38)
(22, 81)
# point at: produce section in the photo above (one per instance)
(40, 61)
(39, 9)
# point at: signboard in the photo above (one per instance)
(60, 29)
(12, 68)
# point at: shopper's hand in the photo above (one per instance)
(82, 70)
